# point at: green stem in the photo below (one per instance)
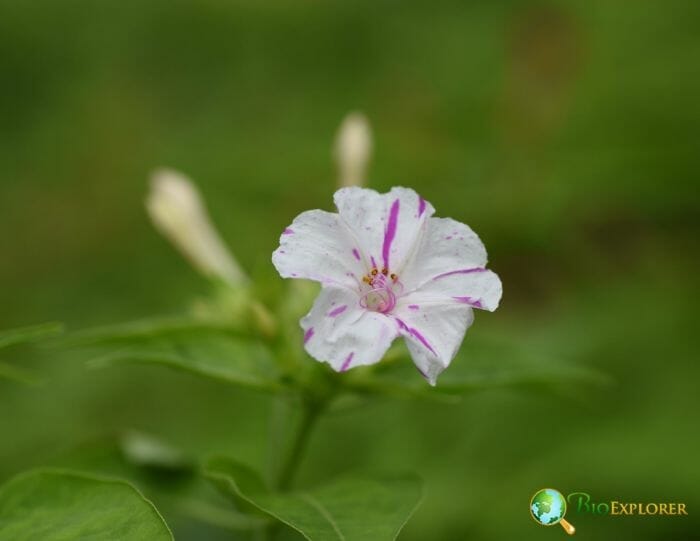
(309, 415)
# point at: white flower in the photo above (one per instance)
(388, 269)
(353, 148)
(178, 212)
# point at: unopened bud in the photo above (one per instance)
(353, 149)
(178, 212)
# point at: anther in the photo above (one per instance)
(384, 271)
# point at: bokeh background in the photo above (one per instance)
(564, 133)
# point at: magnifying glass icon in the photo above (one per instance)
(548, 507)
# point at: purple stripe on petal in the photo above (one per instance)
(421, 206)
(420, 337)
(390, 232)
(346, 363)
(413, 307)
(413, 332)
(471, 301)
(288, 231)
(356, 253)
(308, 334)
(422, 373)
(374, 263)
(337, 311)
(460, 271)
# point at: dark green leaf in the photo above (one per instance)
(349, 509)
(59, 505)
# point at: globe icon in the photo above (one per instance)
(548, 507)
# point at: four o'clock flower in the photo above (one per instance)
(388, 269)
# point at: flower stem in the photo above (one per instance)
(311, 411)
(309, 415)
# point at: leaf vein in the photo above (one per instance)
(313, 502)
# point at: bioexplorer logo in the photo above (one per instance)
(548, 507)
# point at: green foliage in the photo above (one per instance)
(482, 363)
(60, 505)
(216, 351)
(32, 333)
(348, 509)
(201, 348)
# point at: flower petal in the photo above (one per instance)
(475, 286)
(338, 331)
(318, 246)
(387, 226)
(446, 245)
(433, 334)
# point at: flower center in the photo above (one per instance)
(380, 291)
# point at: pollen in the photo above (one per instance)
(374, 272)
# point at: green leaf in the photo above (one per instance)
(193, 347)
(481, 364)
(349, 509)
(59, 505)
(29, 334)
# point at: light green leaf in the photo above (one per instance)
(482, 363)
(204, 351)
(59, 505)
(349, 509)
(29, 334)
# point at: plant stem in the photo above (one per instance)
(311, 411)
(309, 415)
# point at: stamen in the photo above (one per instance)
(378, 299)
(383, 293)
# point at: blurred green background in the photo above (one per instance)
(564, 133)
